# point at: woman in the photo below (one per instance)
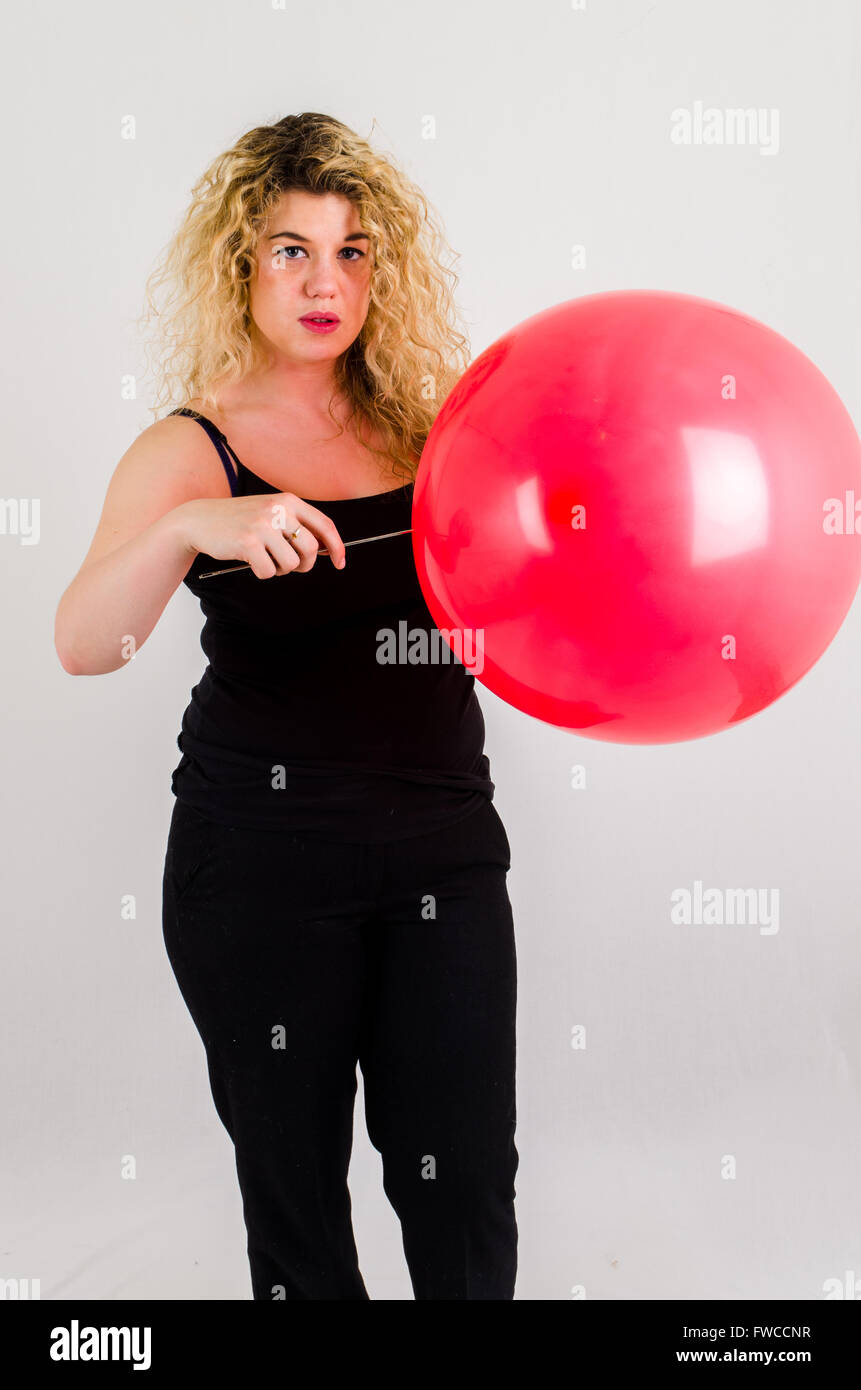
(335, 879)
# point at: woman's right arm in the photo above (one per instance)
(168, 498)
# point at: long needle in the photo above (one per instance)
(210, 574)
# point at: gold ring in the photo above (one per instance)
(294, 534)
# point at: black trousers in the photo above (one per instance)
(297, 959)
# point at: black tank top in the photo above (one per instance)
(295, 723)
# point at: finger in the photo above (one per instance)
(325, 530)
(273, 535)
(271, 555)
(306, 545)
(259, 560)
(283, 553)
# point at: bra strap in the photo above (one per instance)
(219, 440)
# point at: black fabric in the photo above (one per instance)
(295, 723)
(297, 960)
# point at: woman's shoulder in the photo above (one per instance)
(208, 411)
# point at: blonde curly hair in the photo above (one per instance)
(410, 352)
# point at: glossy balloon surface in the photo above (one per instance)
(640, 506)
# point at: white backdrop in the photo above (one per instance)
(550, 129)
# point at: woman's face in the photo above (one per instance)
(313, 258)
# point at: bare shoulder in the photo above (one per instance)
(179, 450)
(170, 462)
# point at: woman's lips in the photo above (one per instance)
(320, 324)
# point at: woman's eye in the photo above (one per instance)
(277, 252)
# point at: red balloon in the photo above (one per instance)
(638, 510)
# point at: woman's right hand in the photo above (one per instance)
(255, 530)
